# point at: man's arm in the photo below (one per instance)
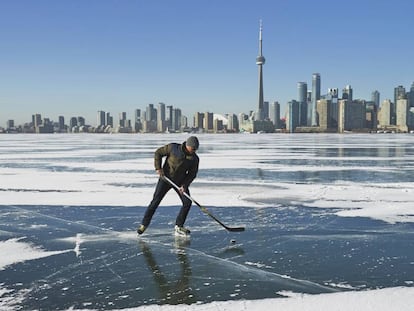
(158, 155)
(192, 173)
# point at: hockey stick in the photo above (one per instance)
(205, 210)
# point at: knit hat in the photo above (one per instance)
(192, 142)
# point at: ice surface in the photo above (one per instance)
(323, 213)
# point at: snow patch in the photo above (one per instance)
(14, 251)
(398, 298)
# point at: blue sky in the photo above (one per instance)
(75, 57)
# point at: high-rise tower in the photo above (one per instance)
(260, 60)
(303, 104)
(375, 97)
(316, 95)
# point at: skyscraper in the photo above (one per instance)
(384, 114)
(37, 120)
(260, 60)
(324, 113)
(309, 110)
(233, 123)
(332, 97)
(303, 105)
(402, 111)
(138, 120)
(351, 115)
(265, 110)
(198, 120)
(176, 119)
(100, 118)
(347, 93)
(169, 116)
(316, 95)
(109, 119)
(208, 121)
(411, 96)
(399, 93)
(122, 119)
(274, 114)
(151, 113)
(292, 116)
(375, 97)
(61, 123)
(161, 117)
(81, 121)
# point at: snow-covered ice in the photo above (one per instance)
(70, 203)
(14, 250)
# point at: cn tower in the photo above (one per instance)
(260, 60)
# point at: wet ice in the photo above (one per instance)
(77, 201)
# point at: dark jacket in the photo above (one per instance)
(180, 165)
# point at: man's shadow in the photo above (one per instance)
(172, 291)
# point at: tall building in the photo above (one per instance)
(169, 116)
(384, 114)
(151, 113)
(109, 119)
(342, 115)
(371, 116)
(138, 121)
(101, 118)
(351, 115)
(316, 95)
(218, 125)
(10, 124)
(347, 93)
(324, 114)
(37, 120)
(81, 121)
(73, 122)
(303, 104)
(265, 110)
(198, 120)
(309, 110)
(233, 123)
(208, 121)
(399, 93)
(375, 98)
(274, 114)
(161, 117)
(184, 121)
(61, 123)
(149, 123)
(402, 114)
(411, 96)
(176, 119)
(260, 60)
(332, 97)
(123, 119)
(292, 116)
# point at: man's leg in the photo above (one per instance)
(182, 215)
(159, 193)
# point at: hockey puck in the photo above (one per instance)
(233, 241)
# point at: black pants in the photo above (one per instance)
(160, 191)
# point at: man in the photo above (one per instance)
(181, 166)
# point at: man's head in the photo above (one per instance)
(192, 144)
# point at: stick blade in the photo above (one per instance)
(235, 229)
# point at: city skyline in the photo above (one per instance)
(74, 58)
(304, 99)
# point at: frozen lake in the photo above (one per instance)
(323, 213)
